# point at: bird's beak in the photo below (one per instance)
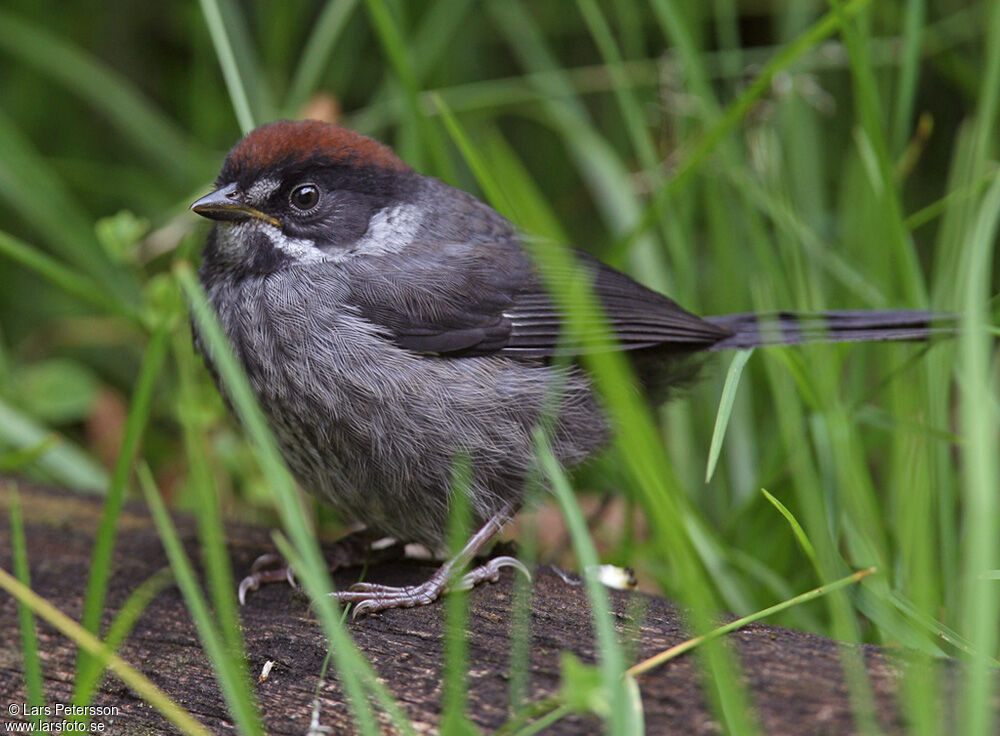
(225, 204)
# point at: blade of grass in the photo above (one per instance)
(229, 665)
(26, 619)
(107, 530)
(725, 408)
(393, 44)
(254, 83)
(663, 500)
(539, 725)
(65, 462)
(346, 654)
(981, 599)
(675, 651)
(135, 680)
(121, 626)
(211, 533)
(797, 530)
(610, 182)
(455, 686)
(68, 280)
(906, 85)
(612, 661)
(327, 29)
(872, 132)
(231, 72)
(433, 37)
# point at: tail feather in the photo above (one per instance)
(790, 328)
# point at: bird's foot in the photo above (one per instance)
(356, 548)
(268, 568)
(371, 597)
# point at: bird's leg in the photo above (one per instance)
(355, 548)
(369, 597)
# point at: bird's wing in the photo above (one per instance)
(461, 300)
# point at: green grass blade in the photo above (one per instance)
(228, 665)
(433, 38)
(316, 54)
(873, 146)
(455, 686)
(351, 664)
(254, 82)
(909, 74)
(797, 530)
(612, 660)
(107, 530)
(121, 626)
(981, 428)
(64, 462)
(70, 281)
(393, 44)
(599, 164)
(725, 409)
(665, 656)
(638, 130)
(231, 71)
(221, 584)
(663, 500)
(134, 679)
(32, 666)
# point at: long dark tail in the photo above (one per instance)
(790, 328)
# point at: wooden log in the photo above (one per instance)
(794, 678)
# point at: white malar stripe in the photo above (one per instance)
(301, 250)
(390, 230)
(232, 238)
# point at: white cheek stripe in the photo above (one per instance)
(390, 230)
(303, 251)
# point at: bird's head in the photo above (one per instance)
(299, 191)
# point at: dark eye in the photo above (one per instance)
(304, 197)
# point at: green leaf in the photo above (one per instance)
(725, 408)
(65, 463)
(14, 461)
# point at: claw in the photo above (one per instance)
(268, 558)
(260, 575)
(489, 572)
(250, 582)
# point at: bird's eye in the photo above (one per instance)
(304, 197)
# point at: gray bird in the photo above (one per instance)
(389, 323)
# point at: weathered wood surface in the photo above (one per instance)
(795, 678)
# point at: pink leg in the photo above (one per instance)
(353, 549)
(369, 597)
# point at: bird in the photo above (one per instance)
(389, 323)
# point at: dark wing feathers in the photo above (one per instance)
(482, 299)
